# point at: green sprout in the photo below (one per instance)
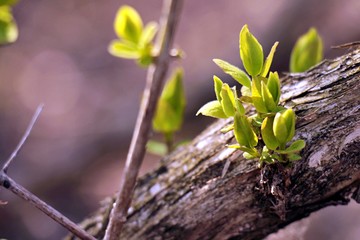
(307, 52)
(135, 40)
(266, 135)
(169, 112)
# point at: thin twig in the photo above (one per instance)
(10, 184)
(155, 79)
(23, 139)
(20, 191)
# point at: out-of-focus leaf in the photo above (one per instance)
(156, 148)
(212, 109)
(123, 50)
(251, 52)
(234, 72)
(8, 2)
(128, 24)
(268, 61)
(170, 109)
(148, 33)
(307, 52)
(8, 28)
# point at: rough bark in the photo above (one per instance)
(187, 197)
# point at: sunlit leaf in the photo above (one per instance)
(243, 131)
(268, 61)
(307, 52)
(227, 100)
(212, 109)
(268, 135)
(128, 24)
(251, 52)
(217, 87)
(234, 71)
(148, 33)
(267, 98)
(123, 50)
(284, 126)
(273, 85)
(256, 96)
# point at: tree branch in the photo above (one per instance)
(186, 197)
(155, 78)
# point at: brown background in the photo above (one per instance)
(75, 154)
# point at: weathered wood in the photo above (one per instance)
(187, 198)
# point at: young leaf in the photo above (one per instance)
(227, 100)
(284, 126)
(293, 157)
(267, 98)
(170, 109)
(256, 96)
(273, 85)
(148, 33)
(267, 133)
(251, 52)
(156, 148)
(146, 57)
(218, 86)
(212, 109)
(128, 24)
(294, 147)
(123, 50)
(268, 61)
(307, 52)
(238, 105)
(233, 71)
(243, 131)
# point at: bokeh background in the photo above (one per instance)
(76, 151)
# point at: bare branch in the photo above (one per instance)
(155, 78)
(23, 139)
(20, 191)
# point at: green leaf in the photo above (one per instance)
(8, 2)
(294, 147)
(284, 126)
(256, 96)
(293, 157)
(267, 133)
(250, 151)
(268, 61)
(234, 72)
(227, 128)
(227, 100)
(8, 28)
(217, 87)
(243, 131)
(267, 98)
(128, 24)
(146, 57)
(212, 109)
(123, 50)
(171, 105)
(273, 85)
(148, 33)
(156, 148)
(251, 52)
(307, 52)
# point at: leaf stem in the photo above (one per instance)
(155, 79)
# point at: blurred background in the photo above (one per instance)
(74, 156)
